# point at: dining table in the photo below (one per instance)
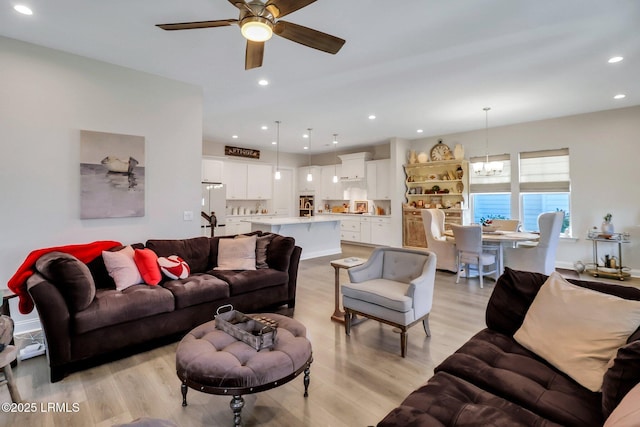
(499, 239)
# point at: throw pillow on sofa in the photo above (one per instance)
(147, 262)
(237, 254)
(71, 276)
(174, 267)
(262, 243)
(623, 374)
(122, 268)
(572, 328)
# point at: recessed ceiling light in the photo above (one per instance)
(619, 96)
(23, 9)
(234, 136)
(615, 59)
(419, 131)
(273, 142)
(263, 82)
(372, 117)
(306, 148)
(305, 136)
(264, 127)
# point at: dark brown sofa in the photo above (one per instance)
(493, 381)
(85, 319)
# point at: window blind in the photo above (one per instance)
(493, 183)
(545, 171)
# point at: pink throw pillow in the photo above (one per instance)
(147, 262)
(122, 268)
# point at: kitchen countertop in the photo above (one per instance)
(289, 220)
(352, 214)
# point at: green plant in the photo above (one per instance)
(607, 217)
(565, 220)
(489, 219)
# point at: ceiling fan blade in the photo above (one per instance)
(308, 37)
(254, 55)
(280, 8)
(195, 25)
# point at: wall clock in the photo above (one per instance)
(440, 151)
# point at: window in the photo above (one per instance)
(491, 195)
(544, 186)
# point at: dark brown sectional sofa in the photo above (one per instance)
(115, 322)
(494, 381)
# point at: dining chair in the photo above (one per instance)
(541, 257)
(506, 224)
(445, 250)
(395, 287)
(471, 252)
(8, 354)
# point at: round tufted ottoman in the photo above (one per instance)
(212, 361)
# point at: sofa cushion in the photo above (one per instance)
(621, 377)
(111, 307)
(215, 243)
(382, 292)
(147, 262)
(279, 252)
(262, 244)
(450, 401)
(498, 364)
(174, 267)
(194, 251)
(71, 276)
(572, 328)
(197, 289)
(122, 268)
(237, 254)
(241, 282)
(627, 413)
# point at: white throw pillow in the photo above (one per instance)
(237, 254)
(577, 330)
(122, 268)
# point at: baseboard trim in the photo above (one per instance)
(27, 326)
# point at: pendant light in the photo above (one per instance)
(335, 159)
(277, 149)
(487, 168)
(309, 174)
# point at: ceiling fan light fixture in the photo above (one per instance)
(256, 29)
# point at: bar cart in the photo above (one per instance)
(614, 270)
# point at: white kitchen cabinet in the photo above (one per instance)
(350, 229)
(212, 170)
(365, 229)
(378, 179)
(259, 182)
(235, 178)
(235, 226)
(305, 186)
(330, 190)
(381, 231)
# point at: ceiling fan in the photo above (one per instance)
(258, 21)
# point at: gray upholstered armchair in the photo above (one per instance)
(395, 286)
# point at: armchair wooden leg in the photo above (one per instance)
(425, 325)
(403, 342)
(11, 383)
(347, 321)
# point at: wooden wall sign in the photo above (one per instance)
(241, 152)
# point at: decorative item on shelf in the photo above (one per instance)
(459, 187)
(418, 190)
(440, 151)
(432, 177)
(607, 225)
(413, 159)
(459, 172)
(420, 204)
(435, 188)
(410, 178)
(579, 267)
(422, 157)
(458, 152)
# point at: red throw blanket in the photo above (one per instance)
(86, 252)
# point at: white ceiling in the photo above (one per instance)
(415, 64)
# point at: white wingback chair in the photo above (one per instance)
(433, 221)
(395, 287)
(506, 224)
(541, 257)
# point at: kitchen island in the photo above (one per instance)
(317, 236)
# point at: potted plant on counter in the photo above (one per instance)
(607, 225)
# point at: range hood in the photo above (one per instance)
(354, 167)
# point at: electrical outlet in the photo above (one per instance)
(188, 215)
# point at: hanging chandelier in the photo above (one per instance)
(335, 159)
(487, 168)
(277, 149)
(309, 174)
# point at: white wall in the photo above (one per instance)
(46, 98)
(604, 148)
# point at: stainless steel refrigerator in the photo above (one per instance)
(214, 203)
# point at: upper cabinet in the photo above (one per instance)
(353, 166)
(305, 186)
(248, 181)
(212, 170)
(378, 179)
(330, 190)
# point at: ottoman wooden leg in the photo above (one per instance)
(237, 403)
(306, 381)
(184, 389)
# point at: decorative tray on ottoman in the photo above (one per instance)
(258, 332)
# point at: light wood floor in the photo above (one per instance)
(355, 381)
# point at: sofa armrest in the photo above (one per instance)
(293, 275)
(54, 317)
(421, 288)
(372, 269)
